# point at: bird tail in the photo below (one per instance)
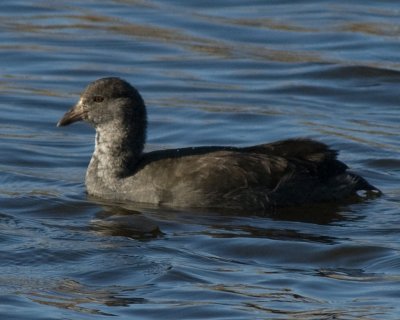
(365, 187)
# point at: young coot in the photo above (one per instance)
(284, 173)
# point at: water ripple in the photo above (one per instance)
(211, 73)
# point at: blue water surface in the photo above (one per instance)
(211, 73)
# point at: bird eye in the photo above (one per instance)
(98, 99)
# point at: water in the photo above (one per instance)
(212, 73)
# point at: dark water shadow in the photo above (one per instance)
(148, 222)
(319, 213)
(117, 221)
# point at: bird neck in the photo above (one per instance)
(118, 149)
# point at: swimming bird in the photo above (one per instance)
(283, 173)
